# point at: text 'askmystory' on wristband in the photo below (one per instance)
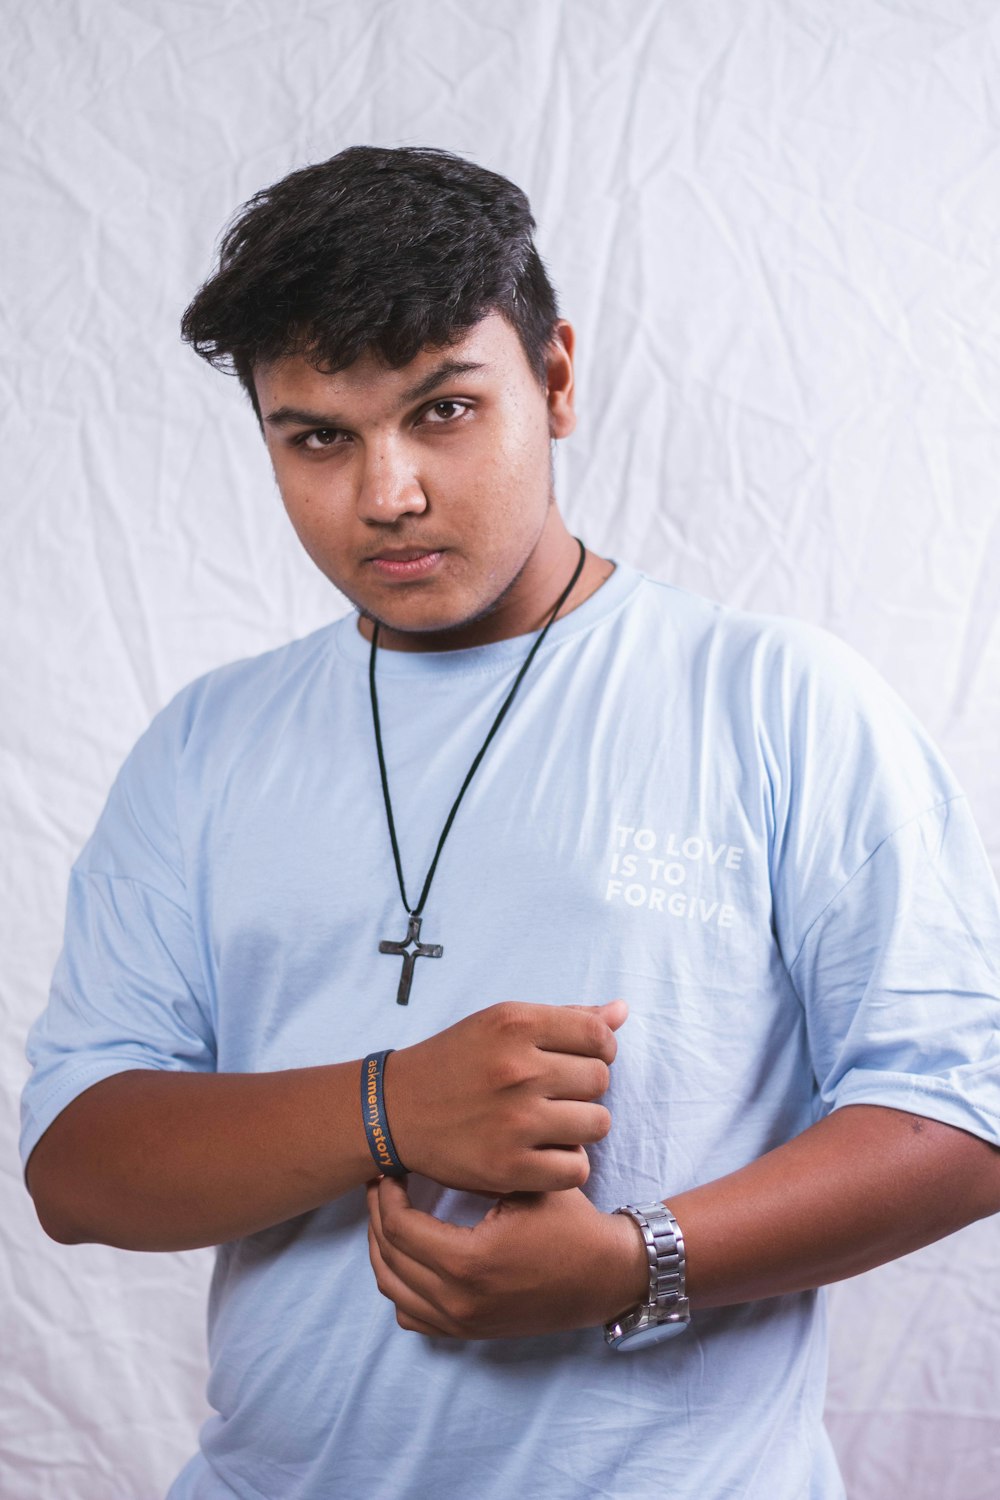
(373, 1114)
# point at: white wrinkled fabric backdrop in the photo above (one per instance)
(775, 227)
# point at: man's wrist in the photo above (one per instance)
(628, 1266)
(396, 1091)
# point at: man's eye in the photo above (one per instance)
(445, 407)
(320, 437)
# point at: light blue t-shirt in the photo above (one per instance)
(728, 820)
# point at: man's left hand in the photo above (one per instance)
(536, 1263)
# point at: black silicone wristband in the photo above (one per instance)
(373, 1113)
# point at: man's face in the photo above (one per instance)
(424, 494)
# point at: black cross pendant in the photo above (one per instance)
(410, 955)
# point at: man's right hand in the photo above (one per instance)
(504, 1100)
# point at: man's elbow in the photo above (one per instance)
(994, 1190)
(61, 1232)
(51, 1210)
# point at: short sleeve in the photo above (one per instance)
(900, 977)
(128, 990)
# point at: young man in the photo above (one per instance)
(709, 932)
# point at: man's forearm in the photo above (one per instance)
(861, 1187)
(172, 1161)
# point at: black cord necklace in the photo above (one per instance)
(411, 948)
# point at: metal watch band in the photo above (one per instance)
(665, 1310)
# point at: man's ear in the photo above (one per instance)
(559, 380)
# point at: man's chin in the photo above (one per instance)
(427, 629)
(428, 633)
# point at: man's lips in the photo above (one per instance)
(406, 562)
(402, 554)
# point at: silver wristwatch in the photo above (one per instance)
(665, 1311)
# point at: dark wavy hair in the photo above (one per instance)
(376, 250)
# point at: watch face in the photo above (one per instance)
(652, 1333)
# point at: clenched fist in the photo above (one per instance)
(504, 1100)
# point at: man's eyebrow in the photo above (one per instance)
(287, 416)
(445, 371)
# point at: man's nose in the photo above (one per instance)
(388, 485)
